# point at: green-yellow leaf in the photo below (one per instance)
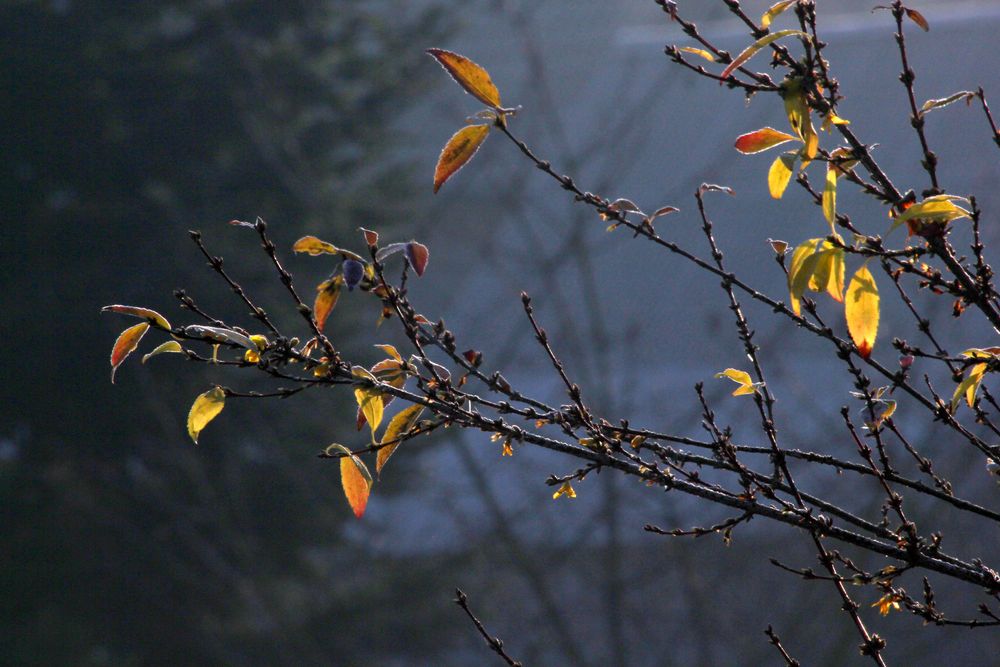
(861, 309)
(205, 408)
(803, 265)
(399, 426)
(127, 341)
(469, 75)
(751, 50)
(151, 316)
(780, 174)
(773, 11)
(355, 479)
(830, 197)
(968, 387)
(742, 378)
(458, 151)
(169, 346)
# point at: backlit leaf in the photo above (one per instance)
(418, 255)
(469, 75)
(830, 197)
(395, 432)
(127, 341)
(945, 101)
(327, 295)
(151, 316)
(169, 346)
(861, 308)
(220, 335)
(742, 378)
(774, 10)
(917, 18)
(565, 490)
(459, 150)
(371, 238)
(968, 387)
(800, 271)
(780, 173)
(939, 208)
(354, 478)
(205, 408)
(369, 400)
(761, 140)
(698, 52)
(315, 246)
(391, 351)
(751, 50)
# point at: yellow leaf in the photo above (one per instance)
(861, 309)
(832, 119)
(565, 490)
(780, 174)
(459, 150)
(395, 432)
(315, 246)
(469, 75)
(886, 603)
(169, 346)
(151, 316)
(253, 356)
(355, 479)
(369, 400)
(127, 341)
(507, 449)
(800, 271)
(830, 197)
(391, 351)
(939, 208)
(811, 147)
(742, 378)
(968, 387)
(751, 50)
(698, 52)
(773, 11)
(205, 408)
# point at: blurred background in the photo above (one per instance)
(125, 124)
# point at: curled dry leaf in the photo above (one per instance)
(127, 341)
(773, 11)
(698, 52)
(472, 77)
(459, 150)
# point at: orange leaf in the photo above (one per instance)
(459, 150)
(761, 140)
(327, 294)
(355, 479)
(126, 343)
(917, 18)
(469, 75)
(396, 432)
